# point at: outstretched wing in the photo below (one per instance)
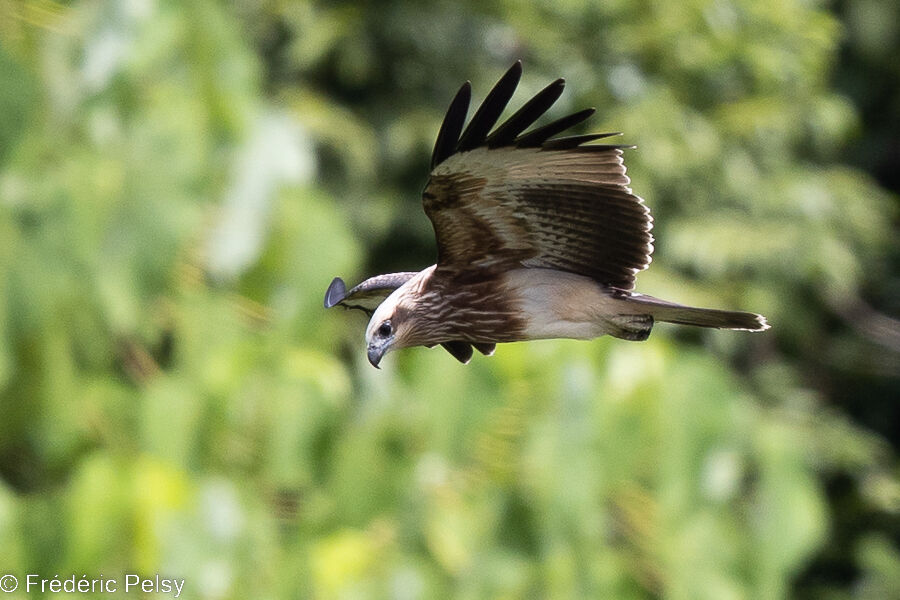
(370, 293)
(367, 295)
(509, 199)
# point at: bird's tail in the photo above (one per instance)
(671, 312)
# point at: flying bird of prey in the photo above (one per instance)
(537, 237)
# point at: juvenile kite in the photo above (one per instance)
(538, 237)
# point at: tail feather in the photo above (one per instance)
(671, 312)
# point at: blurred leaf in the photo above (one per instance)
(17, 99)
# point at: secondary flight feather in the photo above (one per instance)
(537, 236)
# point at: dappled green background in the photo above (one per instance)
(179, 182)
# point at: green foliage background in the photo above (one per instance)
(179, 181)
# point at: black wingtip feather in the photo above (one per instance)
(336, 292)
(602, 147)
(574, 141)
(530, 112)
(453, 139)
(534, 139)
(490, 110)
(448, 136)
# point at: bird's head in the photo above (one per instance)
(389, 327)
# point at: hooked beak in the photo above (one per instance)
(376, 351)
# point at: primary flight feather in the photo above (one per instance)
(538, 237)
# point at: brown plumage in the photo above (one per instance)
(537, 238)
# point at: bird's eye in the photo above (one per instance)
(385, 329)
